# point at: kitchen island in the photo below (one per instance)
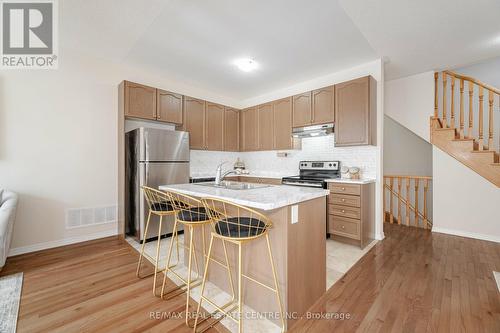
(297, 240)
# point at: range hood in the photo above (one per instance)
(312, 131)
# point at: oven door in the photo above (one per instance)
(305, 183)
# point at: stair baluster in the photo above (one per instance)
(461, 109)
(490, 120)
(470, 133)
(445, 123)
(481, 137)
(452, 103)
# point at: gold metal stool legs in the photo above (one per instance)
(225, 310)
(188, 283)
(219, 309)
(158, 247)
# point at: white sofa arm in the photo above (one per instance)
(7, 216)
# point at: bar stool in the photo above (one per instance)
(193, 215)
(241, 225)
(158, 204)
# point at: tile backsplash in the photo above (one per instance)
(267, 163)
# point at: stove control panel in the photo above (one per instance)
(319, 165)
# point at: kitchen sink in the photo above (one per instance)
(230, 185)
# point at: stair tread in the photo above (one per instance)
(483, 151)
(495, 164)
(444, 129)
(463, 139)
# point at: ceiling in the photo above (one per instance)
(196, 41)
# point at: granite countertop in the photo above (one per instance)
(351, 181)
(265, 198)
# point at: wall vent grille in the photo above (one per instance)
(82, 217)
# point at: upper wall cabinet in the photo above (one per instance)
(169, 107)
(302, 109)
(214, 125)
(314, 107)
(231, 129)
(266, 126)
(140, 101)
(194, 122)
(323, 106)
(248, 129)
(355, 112)
(282, 112)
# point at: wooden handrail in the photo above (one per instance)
(480, 113)
(473, 80)
(406, 176)
(410, 207)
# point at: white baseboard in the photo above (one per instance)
(467, 234)
(61, 242)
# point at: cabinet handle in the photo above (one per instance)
(343, 211)
(343, 200)
(343, 227)
(343, 188)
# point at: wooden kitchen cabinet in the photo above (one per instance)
(169, 107)
(231, 129)
(351, 212)
(249, 130)
(283, 125)
(355, 112)
(194, 122)
(302, 109)
(140, 101)
(214, 126)
(265, 126)
(323, 106)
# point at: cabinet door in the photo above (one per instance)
(214, 126)
(323, 106)
(283, 123)
(352, 112)
(194, 122)
(265, 126)
(231, 129)
(249, 129)
(302, 109)
(169, 107)
(140, 101)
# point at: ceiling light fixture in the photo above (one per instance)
(246, 64)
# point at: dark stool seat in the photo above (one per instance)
(164, 206)
(240, 227)
(193, 214)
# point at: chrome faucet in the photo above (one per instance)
(219, 175)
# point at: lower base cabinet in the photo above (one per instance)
(351, 213)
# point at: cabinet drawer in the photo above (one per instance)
(346, 200)
(345, 211)
(353, 189)
(344, 227)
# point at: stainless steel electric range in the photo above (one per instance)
(314, 174)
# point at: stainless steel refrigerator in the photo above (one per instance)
(153, 157)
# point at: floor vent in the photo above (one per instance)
(82, 217)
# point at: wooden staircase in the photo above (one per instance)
(467, 144)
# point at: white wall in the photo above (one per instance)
(406, 153)
(267, 163)
(58, 144)
(465, 204)
(410, 102)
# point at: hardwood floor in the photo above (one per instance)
(415, 281)
(92, 287)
